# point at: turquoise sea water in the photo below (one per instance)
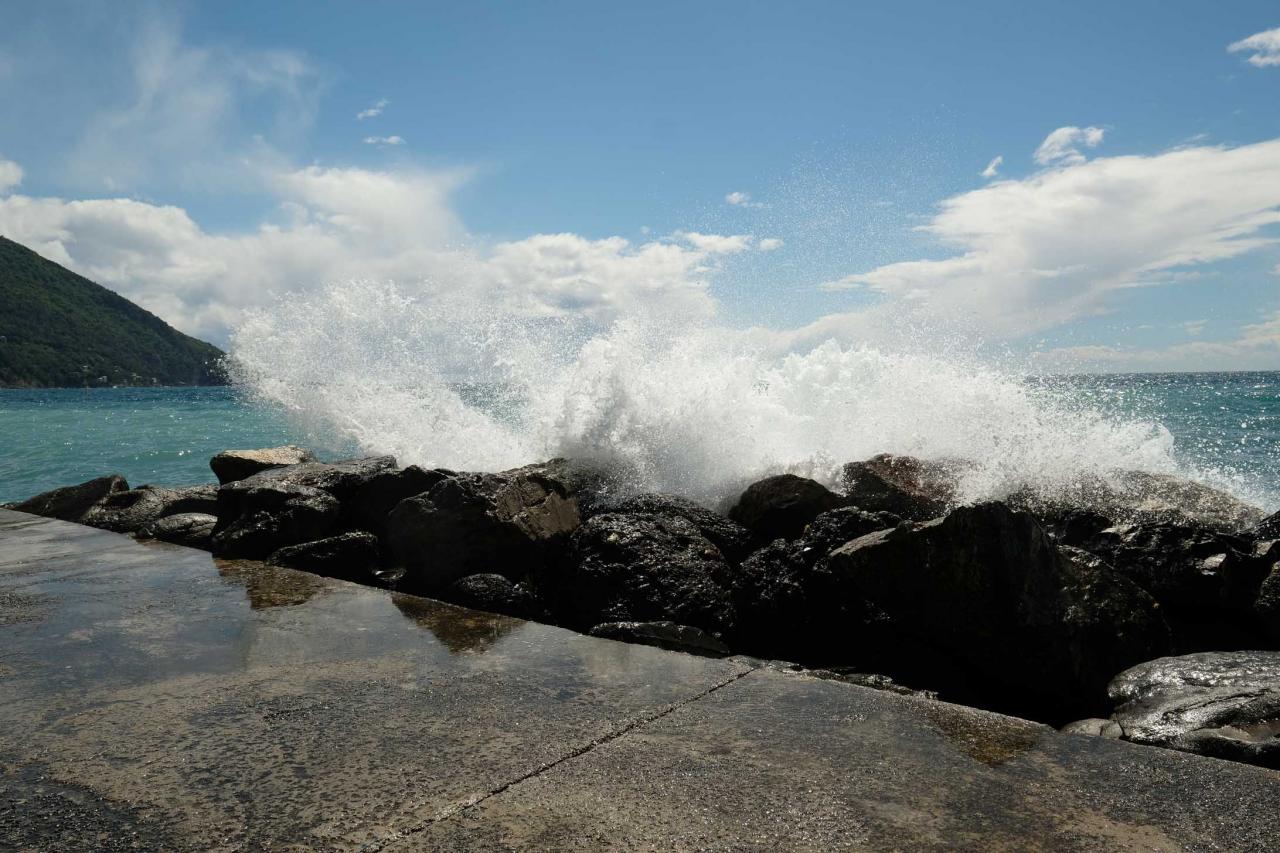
(1228, 423)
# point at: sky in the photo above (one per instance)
(1086, 187)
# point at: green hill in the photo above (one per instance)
(58, 329)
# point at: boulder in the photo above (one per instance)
(903, 485)
(835, 527)
(780, 507)
(664, 635)
(257, 519)
(351, 556)
(1206, 582)
(231, 465)
(342, 480)
(1266, 607)
(192, 529)
(129, 511)
(479, 523)
(492, 593)
(70, 503)
(734, 541)
(1268, 528)
(641, 568)
(379, 494)
(1094, 727)
(1223, 704)
(983, 606)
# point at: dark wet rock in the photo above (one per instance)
(231, 465)
(479, 523)
(983, 606)
(342, 479)
(1266, 607)
(1268, 528)
(1223, 704)
(786, 602)
(734, 541)
(1077, 526)
(903, 485)
(129, 511)
(256, 519)
(192, 529)
(780, 507)
(349, 556)
(1206, 582)
(1140, 497)
(70, 503)
(640, 568)
(1094, 727)
(587, 485)
(493, 593)
(380, 493)
(664, 635)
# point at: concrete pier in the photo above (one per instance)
(152, 698)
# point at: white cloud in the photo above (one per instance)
(993, 168)
(1053, 247)
(715, 244)
(10, 175)
(1194, 327)
(375, 110)
(384, 140)
(1265, 47)
(1061, 148)
(741, 199)
(1255, 347)
(768, 244)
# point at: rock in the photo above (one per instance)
(1268, 528)
(1095, 727)
(1266, 607)
(192, 529)
(348, 556)
(1140, 497)
(492, 593)
(664, 635)
(1223, 704)
(982, 606)
(640, 568)
(588, 486)
(257, 519)
(476, 523)
(231, 465)
(786, 603)
(871, 680)
(70, 503)
(903, 485)
(129, 511)
(1206, 582)
(780, 507)
(379, 494)
(734, 541)
(1077, 526)
(342, 480)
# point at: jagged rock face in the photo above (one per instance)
(231, 465)
(349, 556)
(664, 635)
(735, 542)
(476, 523)
(641, 568)
(1206, 582)
(342, 480)
(492, 593)
(1268, 528)
(1224, 704)
(903, 485)
(377, 496)
(70, 503)
(982, 605)
(129, 511)
(192, 529)
(781, 507)
(257, 519)
(1266, 607)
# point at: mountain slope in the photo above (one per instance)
(60, 329)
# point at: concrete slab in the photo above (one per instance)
(153, 698)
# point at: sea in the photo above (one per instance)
(1221, 428)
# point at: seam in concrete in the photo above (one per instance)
(475, 800)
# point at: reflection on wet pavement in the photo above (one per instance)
(457, 628)
(270, 587)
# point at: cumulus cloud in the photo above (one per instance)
(384, 140)
(1265, 47)
(337, 224)
(10, 175)
(993, 168)
(741, 199)
(373, 111)
(1062, 147)
(768, 244)
(1053, 247)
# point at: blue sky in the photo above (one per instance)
(160, 148)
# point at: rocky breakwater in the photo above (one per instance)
(1091, 604)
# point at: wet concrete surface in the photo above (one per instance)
(152, 698)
